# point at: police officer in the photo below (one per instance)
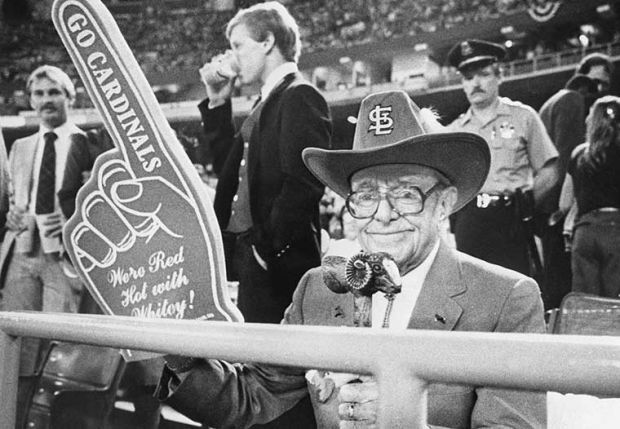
(523, 161)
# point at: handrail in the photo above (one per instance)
(402, 361)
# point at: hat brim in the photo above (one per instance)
(478, 61)
(462, 157)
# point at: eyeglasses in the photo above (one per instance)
(404, 200)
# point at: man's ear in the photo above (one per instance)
(269, 42)
(447, 202)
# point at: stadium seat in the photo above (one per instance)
(28, 385)
(585, 314)
(77, 388)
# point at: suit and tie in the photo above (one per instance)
(32, 276)
(459, 293)
(261, 165)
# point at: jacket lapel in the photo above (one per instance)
(255, 140)
(341, 310)
(435, 308)
(21, 168)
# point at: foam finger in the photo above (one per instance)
(92, 250)
(107, 220)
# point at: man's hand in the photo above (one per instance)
(52, 224)
(358, 404)
(218, 76)
(15, 218)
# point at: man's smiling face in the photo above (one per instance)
(408, 238)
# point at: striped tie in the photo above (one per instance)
(47, 176)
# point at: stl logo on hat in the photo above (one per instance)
(380, 120)
(466, 49)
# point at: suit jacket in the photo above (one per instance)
(4, 184)
(84, 149)
(470, 294)
(284, 195)
(564, 117)
(21, 164)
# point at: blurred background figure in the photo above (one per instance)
(31, 255)
(593, 180)
(564, 117)
(497, 225)
(4, 184)
(339, 228)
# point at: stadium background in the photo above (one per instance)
(351, 48)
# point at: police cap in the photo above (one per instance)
(472, 51)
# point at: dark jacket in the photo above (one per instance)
(84, 149)
(564, 117)
(284, 195)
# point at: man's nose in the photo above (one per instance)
(385, 212)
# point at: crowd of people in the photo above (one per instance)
(461, 230)
(183, 39)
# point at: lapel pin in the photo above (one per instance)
(440, 318)
(338, 312)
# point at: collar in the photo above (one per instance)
(276, 76)
(63, 132)
(418, 274)
(501, 110)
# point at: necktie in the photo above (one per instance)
(47, 176)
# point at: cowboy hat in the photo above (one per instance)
(391, 129)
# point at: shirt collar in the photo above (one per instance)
(276, 76)
(418, 274)
(502, 109)
(63, 132)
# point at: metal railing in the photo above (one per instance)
(403, 362)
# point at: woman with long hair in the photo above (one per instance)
(593, 180)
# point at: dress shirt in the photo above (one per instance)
(404, 302)
(61, 145)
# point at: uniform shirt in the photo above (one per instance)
(519, 144)
(61, 146)
(404, 302)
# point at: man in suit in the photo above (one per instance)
(564, 117)
(266, 201)
(31, 255)
(404, 176)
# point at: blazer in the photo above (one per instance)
(564, 117)
(84, 149)
(284, 195)
(21, 164)
(470, 294)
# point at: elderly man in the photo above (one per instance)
(402, 179)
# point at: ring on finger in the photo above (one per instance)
(351, 411)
